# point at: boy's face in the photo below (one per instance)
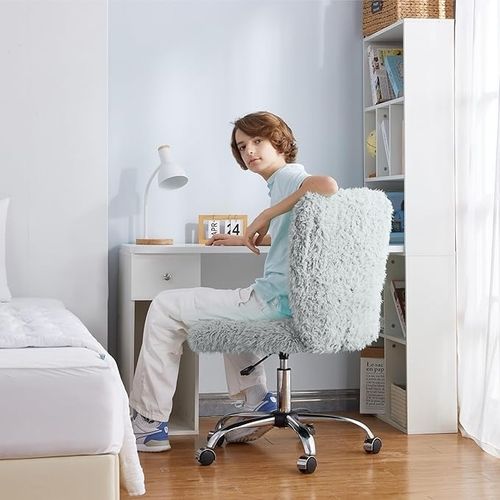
(259, 154)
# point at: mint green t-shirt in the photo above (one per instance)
(274, 285)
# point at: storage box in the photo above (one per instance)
(398, 404)
(378, 15)
(372, 381)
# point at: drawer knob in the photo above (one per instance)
(167, 276)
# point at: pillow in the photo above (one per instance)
(5, 295)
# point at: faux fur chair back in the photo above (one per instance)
(337, 258)
(338, 254)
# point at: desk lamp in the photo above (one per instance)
(170, 176)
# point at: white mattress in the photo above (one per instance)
(60, 391)
(57, 400)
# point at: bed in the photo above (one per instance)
(65, 430)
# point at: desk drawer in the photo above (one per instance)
(151, 274)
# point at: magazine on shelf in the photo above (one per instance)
(379, 83)
(394, 67)
(398, 292)
(384, 125)
(384, 53)
(381, 89)
(398, 217)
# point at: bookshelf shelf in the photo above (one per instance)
(392, 33)
(385, 104)
(393, 339)
(396, 249)
(386, 182)
(417, 160)
(386, 178)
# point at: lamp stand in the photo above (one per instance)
(154, 241)
(145, 240)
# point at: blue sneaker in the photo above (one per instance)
(150, 435)
(268, 404)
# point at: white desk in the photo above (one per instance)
(146, 271)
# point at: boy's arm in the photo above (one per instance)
(233, 240)
(260, 226)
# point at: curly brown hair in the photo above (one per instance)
(268, 126)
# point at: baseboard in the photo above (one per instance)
(331, 401)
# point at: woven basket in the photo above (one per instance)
(378, 15)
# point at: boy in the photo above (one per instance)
(264, 144)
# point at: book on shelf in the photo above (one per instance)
(394, 67)
(372, 380)
(399, 297)
(379, 84)
(381, 89)
(398, 217)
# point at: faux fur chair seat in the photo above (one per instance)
(338, 251)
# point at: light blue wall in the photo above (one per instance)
(182, 71)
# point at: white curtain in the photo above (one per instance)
(477, 85)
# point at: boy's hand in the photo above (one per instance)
(256, 231)
(225, 240)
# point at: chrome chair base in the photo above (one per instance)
(283, 417)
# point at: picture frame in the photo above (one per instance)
(398, 218)
(210, 224)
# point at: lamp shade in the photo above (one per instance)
(170, 174)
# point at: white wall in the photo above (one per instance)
(53, 152)
(182, 71)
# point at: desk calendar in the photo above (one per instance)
(208, 225)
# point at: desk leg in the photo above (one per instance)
(185, 408)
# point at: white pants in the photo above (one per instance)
(167, 326)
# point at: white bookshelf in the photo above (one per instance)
(420, 164)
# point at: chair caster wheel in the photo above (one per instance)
(220, 442)
(307, 464)
(311, 429)
(372, 445)
(205, 456)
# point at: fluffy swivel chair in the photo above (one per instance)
(337, 257)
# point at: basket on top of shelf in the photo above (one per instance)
(378, 15)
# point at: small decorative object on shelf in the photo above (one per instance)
(371, 144)
(398, 217)
(208, 225)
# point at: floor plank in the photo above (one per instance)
(440, 466)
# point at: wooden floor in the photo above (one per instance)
(442, 466)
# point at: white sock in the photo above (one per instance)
(255, 394)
